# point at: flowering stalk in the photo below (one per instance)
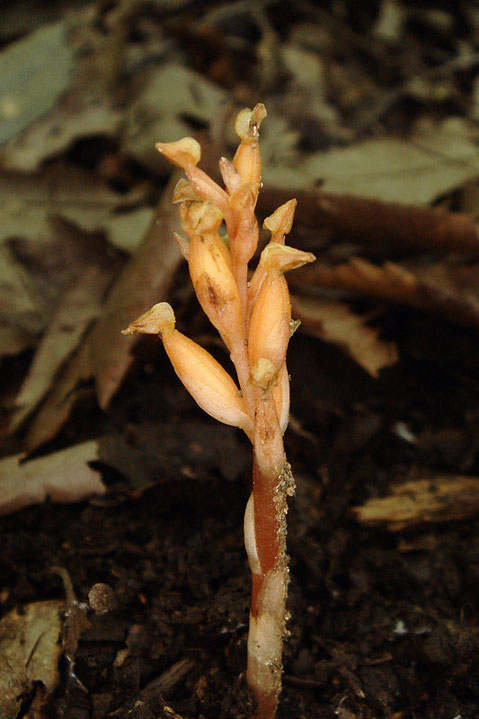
(254, 321)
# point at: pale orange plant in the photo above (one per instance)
(253, 318)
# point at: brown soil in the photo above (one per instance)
(382, 624)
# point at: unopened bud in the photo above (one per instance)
(230, 175)
(185, 153)
(269, 324)
(248, 122)
(212, 277)
(247, 159)
(243, 201)
(205, 379)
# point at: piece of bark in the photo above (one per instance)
(374, 223)
(422, 501)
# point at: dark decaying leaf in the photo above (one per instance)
(335, 322)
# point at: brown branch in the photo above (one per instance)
(374, 223)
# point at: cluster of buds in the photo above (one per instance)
(253, 317)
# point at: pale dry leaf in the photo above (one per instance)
(62, 477)
(85, 108)
(74, 117)
(184, 94)
(30, 649)
(417, 170)
(34, 71)
(430, 163)
(56, 409)
(78, 307)
(335, 322)
(125, 230)
(27, 202)
(390, 21)
(422, 501)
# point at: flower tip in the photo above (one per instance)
(184, 192)
(282, 219)
(249, 121)
(160, 318)
(184, 153)
(200, 217)
(277, 257)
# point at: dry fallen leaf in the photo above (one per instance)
(419, 169)
(34, 71)
(105, 353)
(30, 650)
(14, 340)
(28, 202)
(78, 307)
(184, 94)
(143, 281)
(64, 476)
(335, 322)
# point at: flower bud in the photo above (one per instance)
(160, 318)
(184, 192)
(269, 323)
(200, 217)
(243, 202)
(205, 379)
(230, 175)
(210, 270)
(247, 159)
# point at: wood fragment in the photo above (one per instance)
(438, 288)
(417, 502)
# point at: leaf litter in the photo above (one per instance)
(369, 124)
